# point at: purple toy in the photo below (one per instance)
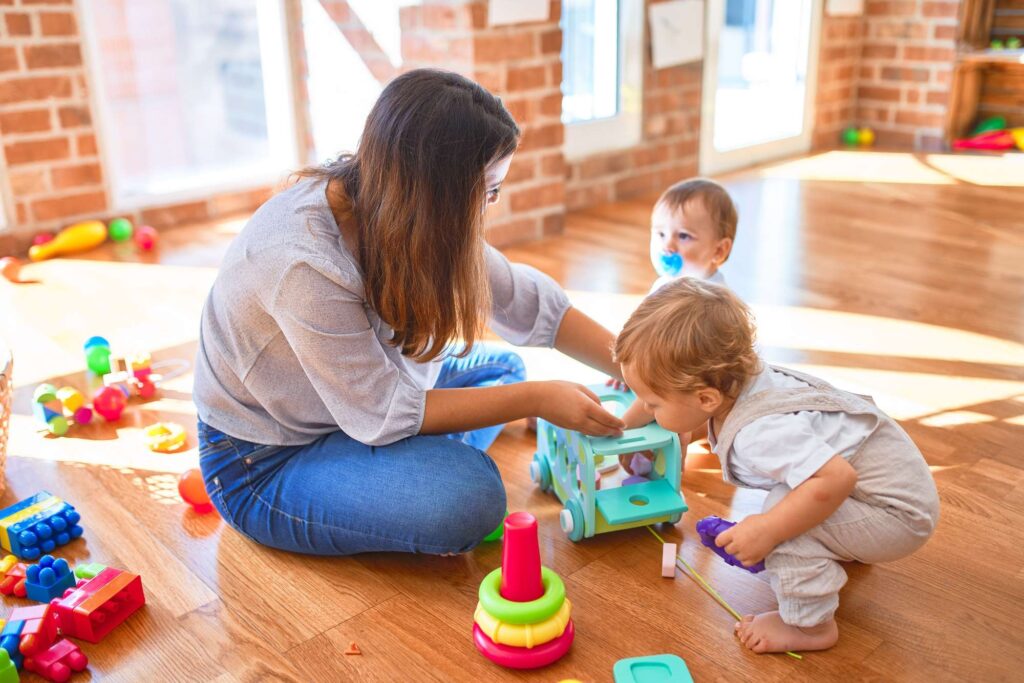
(709, 528)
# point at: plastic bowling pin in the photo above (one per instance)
(70, 240)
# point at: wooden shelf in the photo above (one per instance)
(992, 56)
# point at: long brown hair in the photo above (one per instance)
(415, 191)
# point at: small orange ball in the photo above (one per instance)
(193, 491)
(10, 268)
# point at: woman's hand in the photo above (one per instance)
(750, 541)
(573, 406)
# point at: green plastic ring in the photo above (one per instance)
(533, 612)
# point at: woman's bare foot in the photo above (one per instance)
(768, 633)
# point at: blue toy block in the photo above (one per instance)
(48, 579)
(37, 525)
(10, 640)
(653, 669)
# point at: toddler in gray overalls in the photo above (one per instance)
(845, 481)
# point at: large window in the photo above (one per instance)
(602, 74)
(193, 96)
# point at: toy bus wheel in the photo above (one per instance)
(540, 472)
(571, 520)
(674, 519)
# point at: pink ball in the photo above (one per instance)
(145, 237)
(42, 238)
(109, 402)
(83, 415)
(146, 388)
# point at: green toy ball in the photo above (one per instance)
(1013, 44)
(120, 229)
(997, 45)
(851, 136)
(98, 359)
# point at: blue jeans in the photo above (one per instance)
(337, 496)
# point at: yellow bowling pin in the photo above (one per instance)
(70, 240)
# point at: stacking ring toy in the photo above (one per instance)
(521, 658)
(523, 635)
(164, 437)
(533, 612)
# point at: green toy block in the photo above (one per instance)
(8, 671)
(498, 533)
(88, 571)
(652, 669)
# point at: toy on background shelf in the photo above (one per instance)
(42, 238)
(523, 619)
(992, 135)
(71, 240)
(48, 579)
(145, 237)
(853, 136)
(58, 662)
(96, 606)
(120, 230)
(13, 582)
(993, 123)
(709, 528)
(192, 490)
(1013, 43)
(10, 269)
(566, 461)
(164, 437)
(38, 524)
(665, 668)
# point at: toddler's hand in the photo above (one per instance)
(616, 384)
(750, 540)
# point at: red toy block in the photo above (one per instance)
(94, 608)
(57, 663)
(520, 559)
(40, 628)
(13, 572)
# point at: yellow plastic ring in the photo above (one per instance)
(164, 437)
(523, 635)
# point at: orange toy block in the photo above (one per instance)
(39, 630)
(94, 608)
(13, 582)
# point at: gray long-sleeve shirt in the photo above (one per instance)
(289, 349)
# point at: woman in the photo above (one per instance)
(338, 410)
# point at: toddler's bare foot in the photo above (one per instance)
(768, 633)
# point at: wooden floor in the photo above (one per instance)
(894, 275)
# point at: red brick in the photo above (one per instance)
(638, 183)
(553, 165)
(86, 145)
(445, 17)
(76, 176)
(913, 96)
(72, 117)
(553, 224)
(928, 54)
(164, 216)
(891, 7)
(892, 73)
(429, 49)
(69, 205)
(941, 9)
(34, 151)
(876, 93)
(938, 97)
(238, 202)
(603, 165)
(540, 137)
(58, 23)
(28, 121)
(526, 78)
(551, 105)
(28, 183)
(945, 32)
(522, 169)
(504, 233)
(492, 79)
(878, 51)
(22, 213)
(18, 24)
(8, 59)
(551, 42)
(916, 118)
(46, 2)
(49, 56)
(500, 48)
(529, 198)
(555, 74)
(584, 197)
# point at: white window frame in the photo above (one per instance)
(711, 161)
(623, 130)
(276, 62)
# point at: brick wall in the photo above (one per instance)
(842, 39)
(668, 147)
(47, 135)
(906, 69)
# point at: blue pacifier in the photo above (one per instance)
(668, 264)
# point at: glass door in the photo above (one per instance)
(759, 77)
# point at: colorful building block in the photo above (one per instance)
(37, 525)
(91, 610)
(13, 582)
(10, 640)
(57, 663)
(48, 579)
(8, 669)
(661, 668)
(88, 571)
(35, 626)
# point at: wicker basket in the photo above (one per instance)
(6, 389)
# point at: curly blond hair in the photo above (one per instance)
(690, 335)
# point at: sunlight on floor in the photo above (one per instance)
(954, 418)
(900, 167)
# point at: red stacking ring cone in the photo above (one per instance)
(520, 559)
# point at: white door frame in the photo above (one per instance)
(712, 161)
